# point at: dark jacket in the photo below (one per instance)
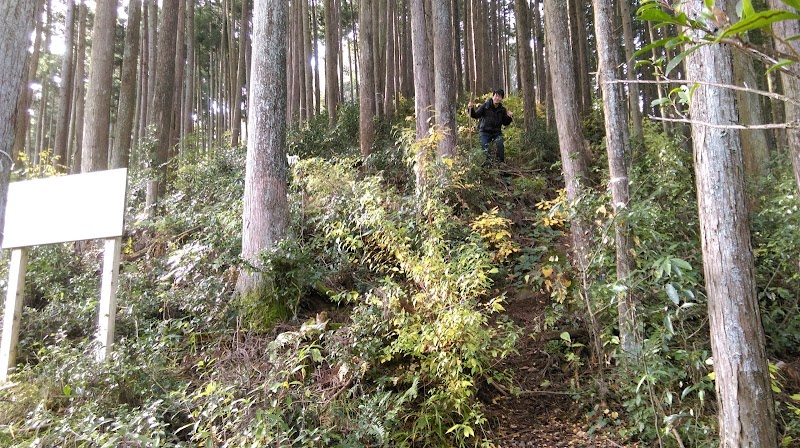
(492, 119)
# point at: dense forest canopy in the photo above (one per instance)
(322, 248)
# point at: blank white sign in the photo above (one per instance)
(65, 208)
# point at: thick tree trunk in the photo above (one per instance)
(16, 21)
(366, 86)
(444, 78)
(98, 108)
(266, 210)
(744, 396)
(61, 151)
(331, 79)
(618, 148)
(162, 109)
(525, 63)
(127, 96)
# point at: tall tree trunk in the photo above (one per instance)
(23, 120)
(378, 52)
(423, 78)
(161, 117)
(315, 56)
(525, 63)
(188, 88)
(244, 31)
(570, 139)
(98, 109)
(791, 85)
(634, 110)
(744, 396)
(266, 210)
(80, 88)
(542, 88)
(331, 79)
(618, 148)
(389, 91)
(366, 86)
(309, 75)
(61, 152)
(444, 78)
(469, 84)
(180, 66)
(16, 21)
(457, 60)
(127, 95)
(152, 53)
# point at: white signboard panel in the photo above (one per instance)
(65, 208)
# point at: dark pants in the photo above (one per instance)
(497, 138)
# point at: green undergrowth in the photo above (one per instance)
(397, 295)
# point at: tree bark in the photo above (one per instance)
(423, 78)
(188, 88)
(98, 108)
(444, 78)
(161, 116)
(366, 86)
(389, 91)
(60, 159)
(570, 139)
(331, 77)
(525, 63)
(618, 149)
(23, 120)
(266, 211)
(16, 21)
(791, 84)
(127, 95)
(744, 396)
(244, 31)
(634, 110)
(80, 88)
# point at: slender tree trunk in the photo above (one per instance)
(152, 36)
(16, 21)
(98, 110)
(538, 54)
(457, 60)
(469, 70)
(618, 148)
(244, 31)
(60, 159)
(266, 210)
(423, 78)
(23, 120)
(309, 79)
(331, 80)
(80, 88)
(525, 63)
(366, 86)
(791, 85)
(188, 91)
(127, 96)
(378, 52)
(180, 66)
(634, 110)
(570, 139)
(389, 92)
(315, 41)
(162, 109)
(444, 78)
(744, 396)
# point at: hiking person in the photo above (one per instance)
(492, 116)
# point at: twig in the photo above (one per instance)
(773, 95)
(789, 125)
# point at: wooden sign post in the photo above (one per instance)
(57, 210)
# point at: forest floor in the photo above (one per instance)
(542, 413)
